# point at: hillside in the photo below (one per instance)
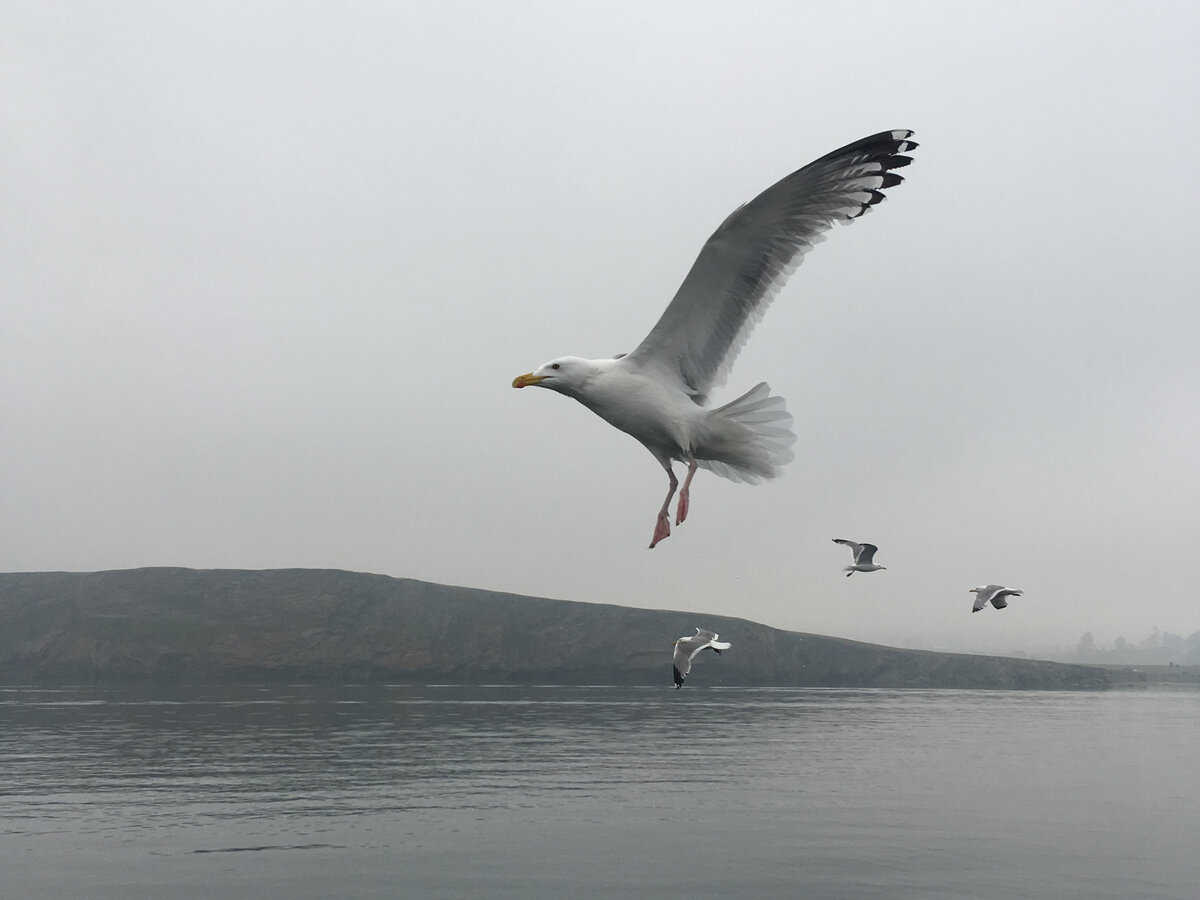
(324, 625)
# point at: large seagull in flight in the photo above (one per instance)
(659, 392)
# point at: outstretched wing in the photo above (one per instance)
(744, 264)
(682, 662)
(865, 555)
(707, 640)
(999, 602)
(854, 548)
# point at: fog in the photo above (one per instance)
(269, 270)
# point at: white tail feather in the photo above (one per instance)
(747, 439)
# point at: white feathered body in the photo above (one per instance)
(744, 440)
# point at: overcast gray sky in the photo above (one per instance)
(270, 268)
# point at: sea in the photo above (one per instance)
(431, 791)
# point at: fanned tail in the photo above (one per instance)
(749, 438)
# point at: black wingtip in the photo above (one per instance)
(678, 677)
(885, 148)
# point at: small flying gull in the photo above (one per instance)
(993, 593)
(864, 556)
(686, 649)
(659, 392)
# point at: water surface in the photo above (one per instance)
(402, 791)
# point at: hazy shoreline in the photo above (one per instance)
(177, 625)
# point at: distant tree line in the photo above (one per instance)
(1158, 648)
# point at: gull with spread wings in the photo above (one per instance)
(659, 392)
(687, 648)
(992, 593)
(864, 557)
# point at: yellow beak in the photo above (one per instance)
(526, 380)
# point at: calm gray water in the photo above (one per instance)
(400, 791)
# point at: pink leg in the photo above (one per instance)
(662, 528)
(682, 511)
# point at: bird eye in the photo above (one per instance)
(555, 366)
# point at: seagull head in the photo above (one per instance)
(565, 375)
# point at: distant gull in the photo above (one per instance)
(993, 593)
(864, 555)
(658, 393)
(686, 649)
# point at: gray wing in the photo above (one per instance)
(865, 554)
(744, 264)
(982, 596)
(702, 641)
(854, 548)
(998, 600)
(683, 657)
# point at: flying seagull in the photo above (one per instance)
(993, 593)
(659, 392)
(864, 557)
(686, 649)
